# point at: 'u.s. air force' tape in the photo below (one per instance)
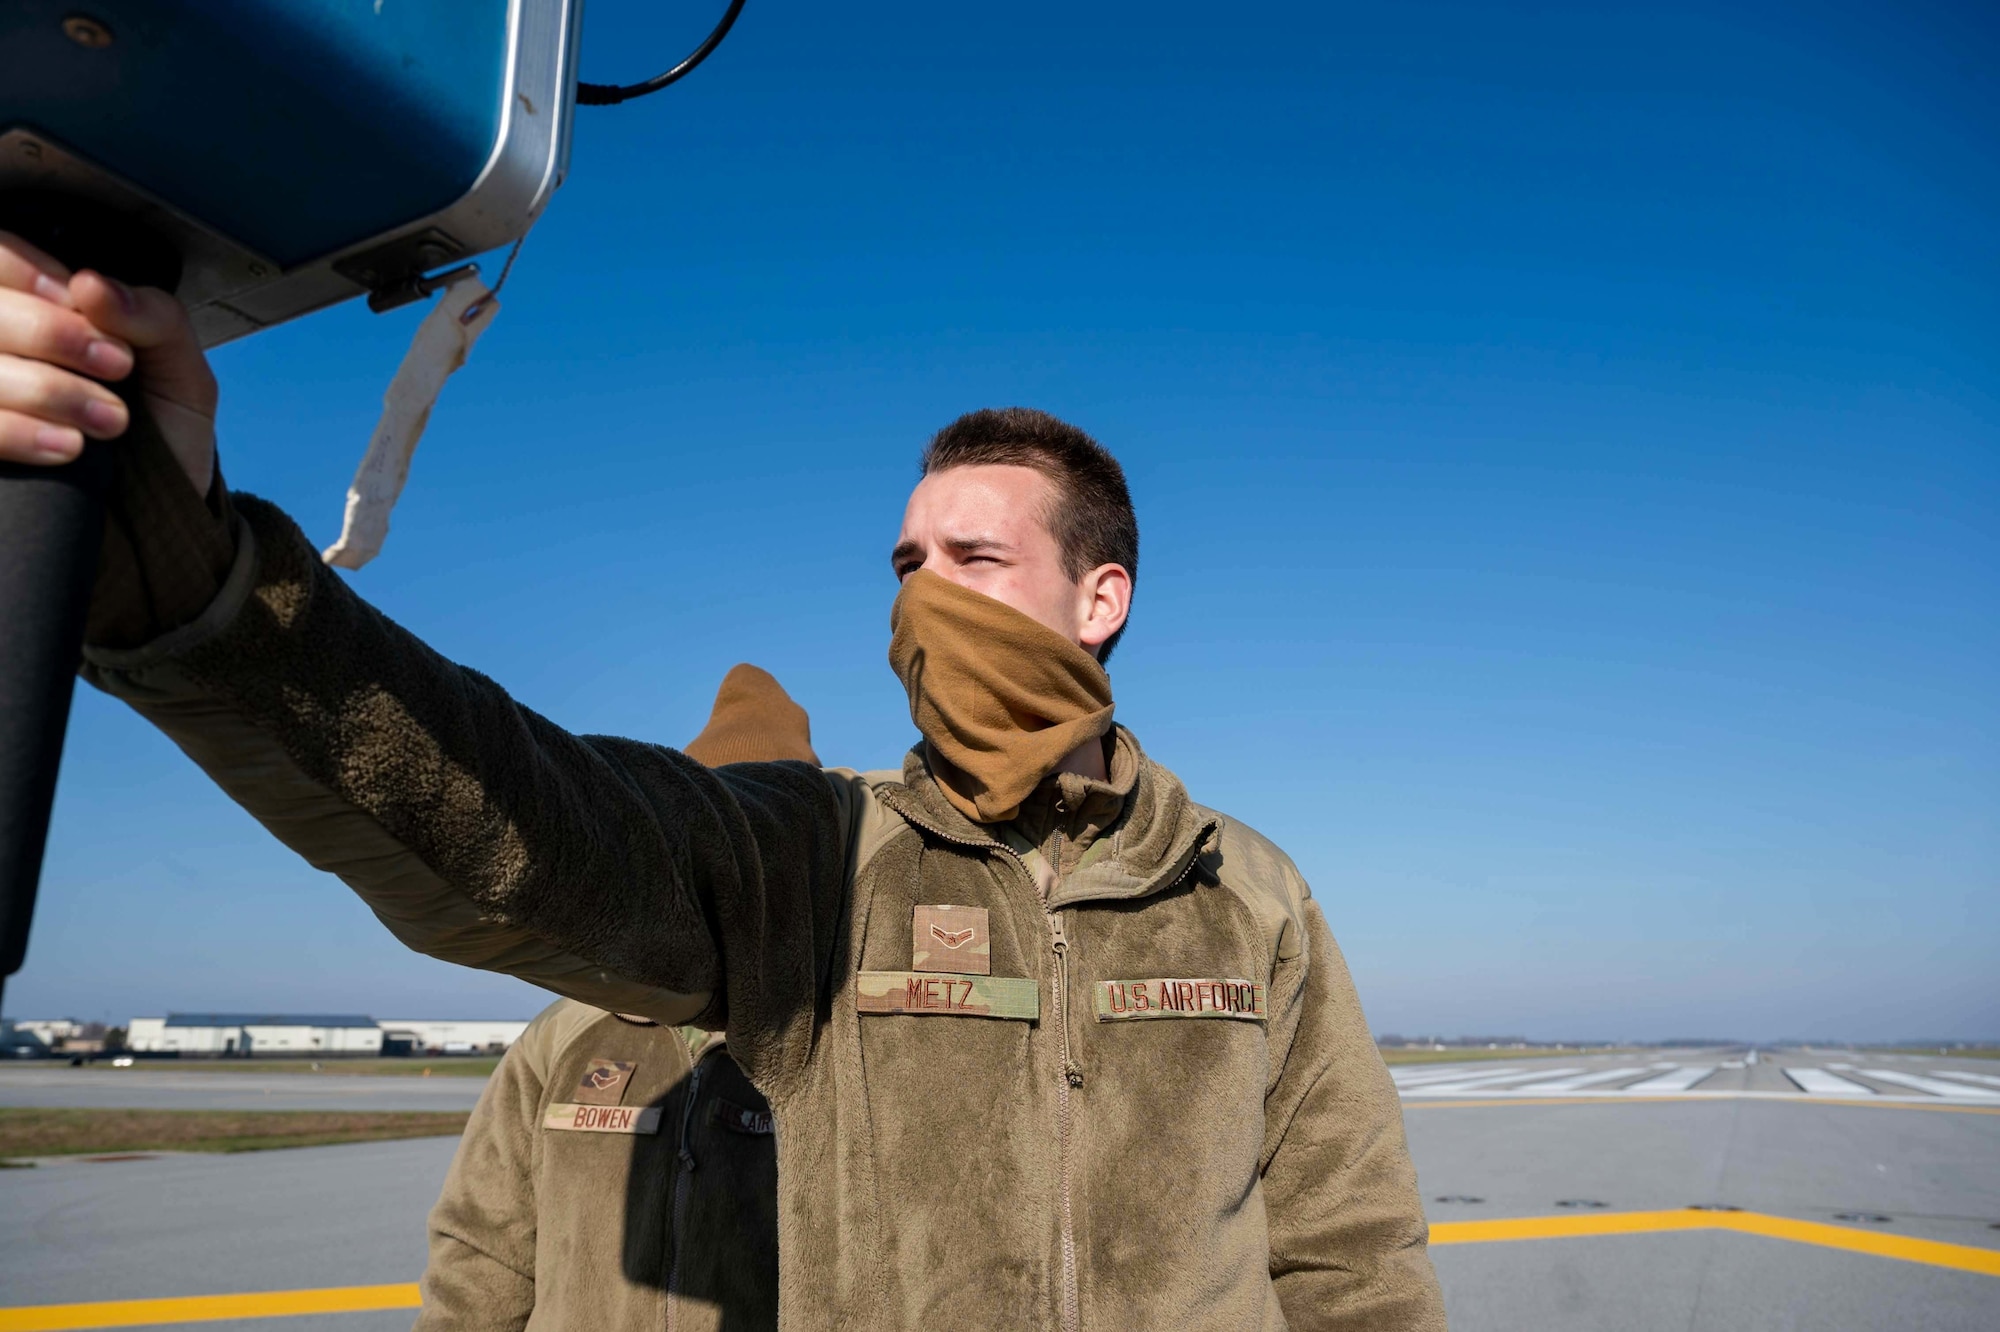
(603, 1118)
(1120, 1000)
(946, 995)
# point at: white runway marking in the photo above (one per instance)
(1819, 1082)
(1486, 1078)
(1679, 1079)
(1416, 1077)
(1673, 1079)
(1986, 1078)
(1932, 1085)
(1580, 1081)
(1486, 1082)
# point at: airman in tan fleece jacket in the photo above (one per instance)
(1096, 1064)
(617, 1176)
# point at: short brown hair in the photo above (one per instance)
(1092, 519)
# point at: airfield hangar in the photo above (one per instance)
(255, 1034)
(310, 1034)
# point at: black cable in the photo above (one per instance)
(611, 94)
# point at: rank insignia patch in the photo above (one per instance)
(1121, 1000)
(604, 1082)
(946, 995)
(951, 938)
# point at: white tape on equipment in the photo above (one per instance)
(442, 343)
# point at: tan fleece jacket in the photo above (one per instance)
(565, 1213)
(1128, 1087)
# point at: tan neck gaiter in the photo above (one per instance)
(1001, 699)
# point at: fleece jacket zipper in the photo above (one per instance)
(683, 1181)
(1072, 1077)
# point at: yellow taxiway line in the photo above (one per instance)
(208, 1308)
(1932, 1253)
(368, 1299)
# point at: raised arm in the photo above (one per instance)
(619, 873)
(622, 874)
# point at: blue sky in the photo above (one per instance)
(1565, 438)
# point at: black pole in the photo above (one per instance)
(51, 526)
(51, 529)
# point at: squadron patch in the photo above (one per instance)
(603, 1118)
(946, 995)
(741, 1118)
(604, 1082)
(1121, 1000)
(951, 938)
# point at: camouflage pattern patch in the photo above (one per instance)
(603, 1118)
(604, 1082)
(1121, 1000)
(951, 938)
(920, 992)
(741, 1118)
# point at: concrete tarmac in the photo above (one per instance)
(204, 1224)
(1928, 1174)
(53, 1085)
(1903, 1145)
(1926, 1163)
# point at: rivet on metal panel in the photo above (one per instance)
(87, 32)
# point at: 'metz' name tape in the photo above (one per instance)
(1123, 1000)
(947, 995)
(603, 1118)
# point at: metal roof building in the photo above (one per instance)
(450, 1036)
(256, 1034)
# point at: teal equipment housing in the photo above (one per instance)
(262, 159)
(295, 153)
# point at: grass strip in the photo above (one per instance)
(70, 1132)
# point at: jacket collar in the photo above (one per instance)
(1150, 844)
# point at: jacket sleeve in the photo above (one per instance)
(618, 873)
(481, 1273)
(1348, 1238)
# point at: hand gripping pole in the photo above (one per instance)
(51, 528)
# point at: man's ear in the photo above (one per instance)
(1104, 599)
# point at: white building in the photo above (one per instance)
(51, 1031)
(255, 1034)
(20, 1042)
(425, 1036)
